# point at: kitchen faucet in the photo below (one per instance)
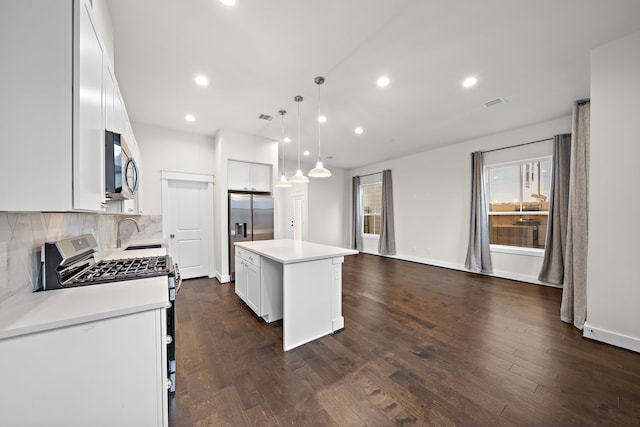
(118, 242)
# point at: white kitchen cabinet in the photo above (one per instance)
(115, 115)
(109, 372)
(89, 114)
(242, 278)
(259, 284)
(57, 99)
(246, 176)
(253, 285)
(248, 279)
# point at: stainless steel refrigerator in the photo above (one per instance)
(250, 218)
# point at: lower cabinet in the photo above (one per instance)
(248, 279)
(253, 288)
(259, 284)
(109, 372)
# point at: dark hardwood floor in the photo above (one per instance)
(421, 346)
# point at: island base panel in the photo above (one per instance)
(308, 301)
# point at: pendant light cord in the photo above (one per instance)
(282, 113)
(319, 80)
(298, 100)
(319, 124)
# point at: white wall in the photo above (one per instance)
(327, 208)
(431, 201)
(244, 147)
(328, 201)
(164, 149)
(613, 289)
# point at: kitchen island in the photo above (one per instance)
(296, 281)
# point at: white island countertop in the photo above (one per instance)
(287, 251)
(29, 312)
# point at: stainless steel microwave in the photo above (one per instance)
(121, 171)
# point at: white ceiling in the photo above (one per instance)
(261, 53)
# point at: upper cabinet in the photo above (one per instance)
(89, 109)
(58, 96)
(245, 176)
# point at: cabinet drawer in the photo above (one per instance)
(248, 256)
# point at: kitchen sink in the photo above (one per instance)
(149, 246)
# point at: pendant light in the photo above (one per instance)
(283, 182)
(319, 171)
(299, 178)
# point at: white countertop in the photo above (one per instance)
(288, 251)
(30, 312)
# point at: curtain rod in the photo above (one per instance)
(517, 145)
(368, 174)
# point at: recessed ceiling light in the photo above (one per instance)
(358, 130)
(322, 119)
(306, 152)
(202, 80)
(287, 139)
(469, 81)
(383, 81)
(228, 2)
(190, 118)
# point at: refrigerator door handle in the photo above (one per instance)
(244, 228)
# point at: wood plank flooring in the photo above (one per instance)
(421, 346)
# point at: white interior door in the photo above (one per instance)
(186, 209)
(297, 217)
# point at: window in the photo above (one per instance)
(518, 195)
(371, 208)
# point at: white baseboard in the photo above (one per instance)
(613, 338)
(223, 278)
(461, 267)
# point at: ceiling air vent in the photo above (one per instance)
(265, 117)
(493, 102)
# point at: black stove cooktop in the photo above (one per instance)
(123, 269)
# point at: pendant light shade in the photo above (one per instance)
(283, 182)
(319, 171)
(299, 178)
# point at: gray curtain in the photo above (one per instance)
(552, 270)
(387, 241)
(574, 292)
(356, 221)
(478, 254)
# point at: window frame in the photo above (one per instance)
(509, 249)
(363, 214)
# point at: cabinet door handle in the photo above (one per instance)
(172, 236)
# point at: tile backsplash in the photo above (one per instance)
(23, 233)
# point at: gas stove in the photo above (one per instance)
(122, 269)
(71, 263)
